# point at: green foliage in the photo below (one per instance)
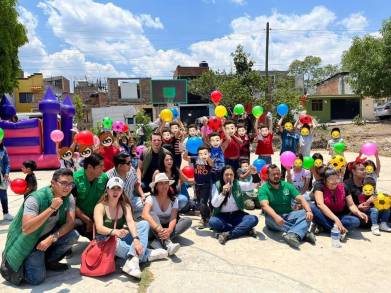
(369, 62)
(358, 120)
(242, 61)
(79, 113)
(12, 36)
(143, 120)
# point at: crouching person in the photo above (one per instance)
(41, 233)
(275, 197)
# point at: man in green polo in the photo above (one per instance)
(90, 184)
(276, 200)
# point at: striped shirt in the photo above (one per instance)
(129, 181)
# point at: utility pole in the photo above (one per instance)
(268, 94)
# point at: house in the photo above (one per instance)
(28, 93)
(59, 85)
(334, 99)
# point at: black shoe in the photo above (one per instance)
(69, 254)
(310, 237)
(292, 239)
(223, 237)
(252, 233)
(56, 266)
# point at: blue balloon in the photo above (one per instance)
(258, 164)
(282, 109)
(175, 112)
(192, 145)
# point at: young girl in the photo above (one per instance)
(372, 169)
(28, 168)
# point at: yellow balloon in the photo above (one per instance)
(220, 111)
(166, 115)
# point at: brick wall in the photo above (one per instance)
(330, 87)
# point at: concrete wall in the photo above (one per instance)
(367, 108)
(32, 84)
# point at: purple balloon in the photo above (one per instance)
(139, 150)
(287, 159)
(369, 149)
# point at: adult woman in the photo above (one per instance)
(132, 241)
(333, 204)
(161, 212)
(4, 178)
(228, 218)
(179, 187)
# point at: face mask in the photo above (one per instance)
(335, 134)
(304, 131)
(288, 126)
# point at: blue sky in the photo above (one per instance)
(78, 38)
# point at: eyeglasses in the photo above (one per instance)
(65, 184)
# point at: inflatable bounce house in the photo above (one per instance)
(30, 139)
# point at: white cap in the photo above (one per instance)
(115, 181)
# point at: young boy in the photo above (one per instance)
(28, 167)
(177, 138)
(216, 154)
(245, 175)
(264, 139)
(245, 146)
(193, 132)
(335, 138)
(167, 140)
(306, 139)
(231, 145)
(203, 182)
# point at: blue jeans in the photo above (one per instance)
(294, 222)
(4, 200)
(183, 198)
(34, 264)
(137, 206)
(237, 223)
(375, 215)
(349, 221)
(267, 159)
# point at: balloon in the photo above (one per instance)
(96, 141)
(282, 109)
(188, 172)
(263, 174)
(305, 119)
(139, 150)
(175, 112)
(193, 143)
(85, 137)
(216, 97)
(308, 162)
(214, 123)
(258, 164)
(125, 128)
(339, 147)
(118, 126)
(287, 159)
(57, 135)
(1, 133)
(369, 149)
(107, 123)
(19, 186)
(257, 111)
(166, 115)
(220, 111)
(239, 109)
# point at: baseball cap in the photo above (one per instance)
(115, 181)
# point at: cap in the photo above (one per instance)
(115, 181)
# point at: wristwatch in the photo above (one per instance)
(55, 236)
(136, 237)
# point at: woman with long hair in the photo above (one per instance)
(114, 209)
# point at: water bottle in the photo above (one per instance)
(335, 237)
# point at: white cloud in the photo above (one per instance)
(355, 21)
(149, 21)
(239, 2)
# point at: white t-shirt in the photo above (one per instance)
(298, 178)
(164, 216)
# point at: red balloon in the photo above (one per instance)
(125, 128)
(188, 172)
(19, 186)
(214, 123)
(85, 137)
(305, 119)
(263, 172)
(216, 96)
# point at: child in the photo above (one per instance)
(28, 167)
(203, 183)
(245, 175)
(167, 140)
(299, 176)
(372, 169)
(245, 146)
(217, 155)
(231, 145)
(193, 132)
(177, 138)
(306, 139)
(335, 138)
(264, 139)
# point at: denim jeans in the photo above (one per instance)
(181, 226)
(183, 198)
(237, 223)
(34, 264)
(267, 159)
(294, 222)
(137, 207)
(349, 221)
(4, 200)
(203, 194)
(375, 215)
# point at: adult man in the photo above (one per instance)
(149, 161)
(41, 233)
(90, 184)
(276, 200)
(127, 173)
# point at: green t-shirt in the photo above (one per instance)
(279, 199)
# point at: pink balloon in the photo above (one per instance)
(118, 126)
(369, 149)
(57, 135)
(139, 150)
(287, 159)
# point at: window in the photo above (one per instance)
(130, 120)
(317, 105)
(25, 98)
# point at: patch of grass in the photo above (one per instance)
(145, 281)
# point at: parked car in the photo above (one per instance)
(383, 111)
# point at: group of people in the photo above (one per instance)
(142, 198)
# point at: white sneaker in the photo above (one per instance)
(375, 229)
(156, 244)
(384, 227)
(132, 267)
(157, 254)
(172, 248)
(8, 217)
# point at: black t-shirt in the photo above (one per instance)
(153, 166)
(202, 174)
(353, 190)
(31, 182)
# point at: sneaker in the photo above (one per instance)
(203, 224)
(157, 254)
(310, 237)
(8, 217)
(57, 266)
(156, 244)
(132, 267)
(344, 236)
(223, 237)
(292, 239)
(375, 230)
(384, 227)
(252, 233)
(172, 247)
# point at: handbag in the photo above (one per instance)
(98, 259)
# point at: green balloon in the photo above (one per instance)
(1, 133)
(257, 111)
(107, 122)
(239, 109)
(308, 162)
(339, 147)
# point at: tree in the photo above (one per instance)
(12, 36)
(369, 62)
(79, 109)
(242, 61)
